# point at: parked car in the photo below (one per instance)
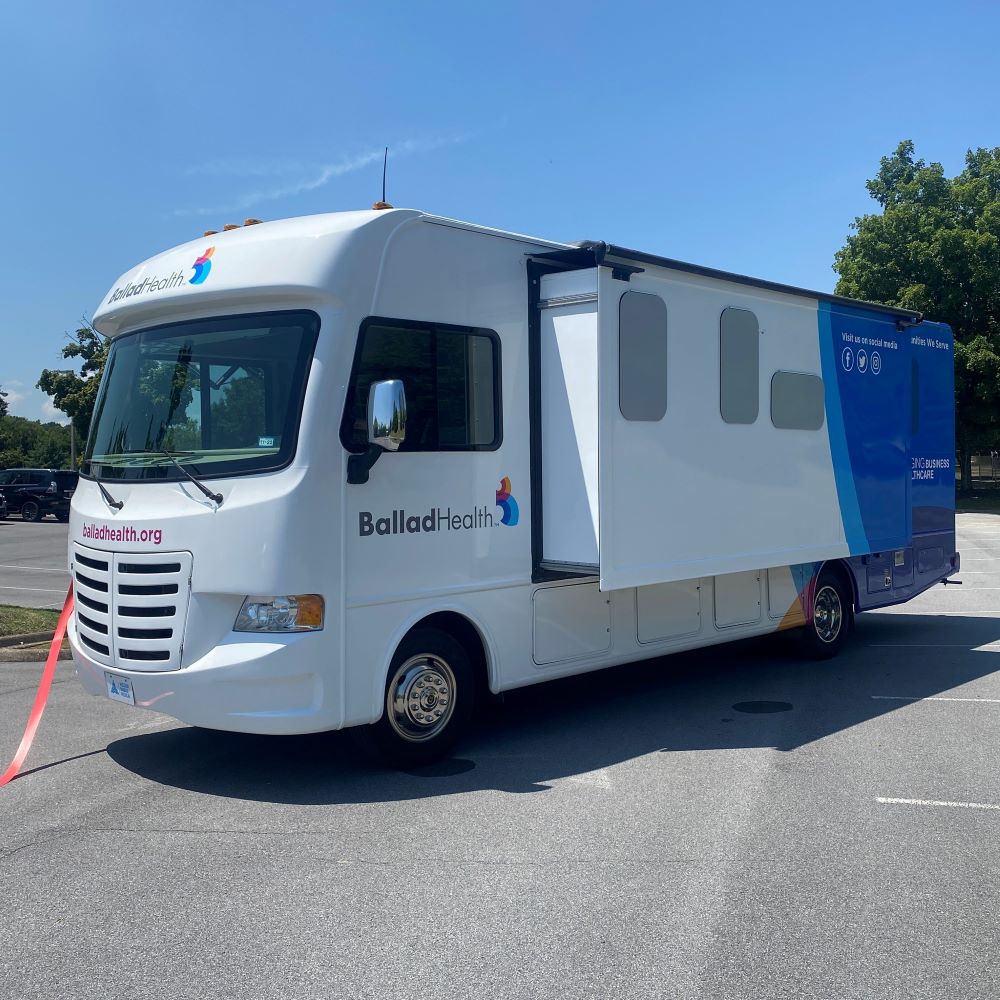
(33, 493)
(3, 507)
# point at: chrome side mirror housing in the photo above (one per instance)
(387, 414)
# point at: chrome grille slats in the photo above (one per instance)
(146, 600)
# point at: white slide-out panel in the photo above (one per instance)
(570, 622)
(668, 610)
(569, 390)
(689, 495)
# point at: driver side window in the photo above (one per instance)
(451, 376)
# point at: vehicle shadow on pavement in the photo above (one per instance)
(750, 694)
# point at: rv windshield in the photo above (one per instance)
(222, 395)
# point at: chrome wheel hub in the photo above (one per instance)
(421, 698)
(828, 615)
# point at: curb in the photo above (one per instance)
(33, 653)
(25, 639)
(30, 647)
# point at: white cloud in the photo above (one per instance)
(244, 168)
(316, 178)
(49, 412)
(15, 389)
(30, 403)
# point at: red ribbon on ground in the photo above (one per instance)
(43, 693)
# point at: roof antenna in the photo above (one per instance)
(379, 205)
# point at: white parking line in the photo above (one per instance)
(936, 802)
(32, 569)
(986, 647)
(894, 697)
(939, 614)
(34, 590)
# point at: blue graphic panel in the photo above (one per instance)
(866, 372)
(932, 444)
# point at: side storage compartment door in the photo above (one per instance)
(570, 622)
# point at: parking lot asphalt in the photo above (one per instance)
(731, 823)
(33, 563)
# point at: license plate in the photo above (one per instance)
(119, 688)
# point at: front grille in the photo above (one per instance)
(131, 608)
(150, 590)
(89, 602)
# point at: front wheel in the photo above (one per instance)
(826, 629)
(30, 511)
(428, 703)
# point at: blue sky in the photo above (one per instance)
(734, 135)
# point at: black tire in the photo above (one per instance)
(829, 618)
(30, 511)
(429, 701)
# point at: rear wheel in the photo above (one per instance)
(428, 702)
(826, 630)
(30, 511)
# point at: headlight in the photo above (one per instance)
(288, 613)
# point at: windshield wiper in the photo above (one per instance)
(112, 502)
(217, 497)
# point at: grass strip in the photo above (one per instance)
(17, 621)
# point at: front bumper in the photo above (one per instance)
(247, 684)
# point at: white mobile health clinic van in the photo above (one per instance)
(354, 469)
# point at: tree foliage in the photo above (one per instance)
(32, 444)
(935, 248)
(75, 393)
(3, 403)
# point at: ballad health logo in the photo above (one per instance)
(202, 266)
(507, 503)
(403, 522)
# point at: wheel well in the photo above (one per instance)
(840, 569)
(468, 635)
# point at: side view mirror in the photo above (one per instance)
(387, 414)
(386, 427)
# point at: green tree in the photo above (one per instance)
(3, 403)
(32, 444)
(75, 393)
(935, 248)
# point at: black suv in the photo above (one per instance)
(36, 492)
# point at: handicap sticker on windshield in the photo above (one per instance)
(119, 688)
